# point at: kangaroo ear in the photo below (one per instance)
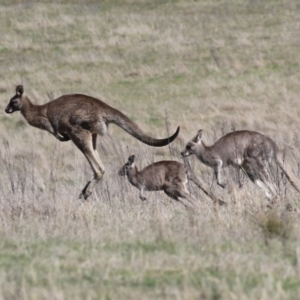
(131, 159)
(198, 137)
(19, 90)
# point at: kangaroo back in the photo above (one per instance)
(162, 172)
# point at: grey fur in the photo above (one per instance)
(168, 176)
(249, 150)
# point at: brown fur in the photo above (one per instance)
(168, 176)
(249, 150)
(80, 118)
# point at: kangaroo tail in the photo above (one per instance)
(202, 185)
(287, 170)
(133, 129)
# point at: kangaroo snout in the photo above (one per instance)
(184, 154)
(9, 109)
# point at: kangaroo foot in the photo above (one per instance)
(86, 192)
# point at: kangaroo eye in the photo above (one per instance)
(188, 147)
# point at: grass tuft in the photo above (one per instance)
(276, 225)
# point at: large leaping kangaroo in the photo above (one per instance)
(80, 118)
(249, 150)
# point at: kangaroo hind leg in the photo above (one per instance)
(266, 178)
(86, 143)
(179, 193)
(94, 139)
(253, 171)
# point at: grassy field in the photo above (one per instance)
(216, 65)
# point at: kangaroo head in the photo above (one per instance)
(192, 145)
(129, 165)
(15, 102)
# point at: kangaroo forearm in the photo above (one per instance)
(44, 124)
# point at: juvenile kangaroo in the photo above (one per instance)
(248, 150)
(80, 118)
(167, 175)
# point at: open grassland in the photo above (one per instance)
(216, 65)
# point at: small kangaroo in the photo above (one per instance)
(80, 118)
(167, 175)
(249, 150)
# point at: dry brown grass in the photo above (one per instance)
(215, 65)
